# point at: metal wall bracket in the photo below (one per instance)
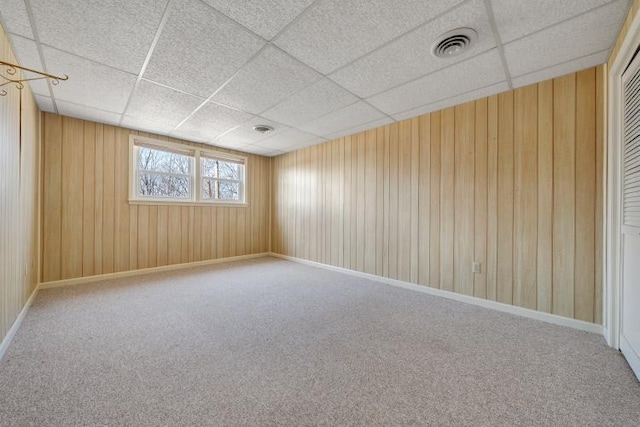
(10, 75)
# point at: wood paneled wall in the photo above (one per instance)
(89, 228)
(513, 181)
(18, 197)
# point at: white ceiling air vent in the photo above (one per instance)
(262, 128)
(454, 42)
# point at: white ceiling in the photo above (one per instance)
(209, 70)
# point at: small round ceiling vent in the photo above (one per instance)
(262, 128)
(453, 42)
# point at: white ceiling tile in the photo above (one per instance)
(244, 133)
(516, 19)
(348, 117)
(26, 53)
(289, 138)
(211, 121)
(360, 128)
(146, 125)
(87, 113)
(199, 49)
(15, 19)
(268, 79)
(456, 100)
(117, 33)
(90, 83)
(44, 103)
(475, 73)
(562, 69)
(410, 56)
(160, 104)
(314, 101)
(589, 33)
(193, 136)
(333, 33)
(264, 17)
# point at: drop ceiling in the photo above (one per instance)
(210, 70)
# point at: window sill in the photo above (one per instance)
(188, 203)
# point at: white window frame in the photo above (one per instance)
(196, 178)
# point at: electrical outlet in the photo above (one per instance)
(477, 267)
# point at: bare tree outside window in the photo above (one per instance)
(220, 179)
(166, 172)
(163, 174)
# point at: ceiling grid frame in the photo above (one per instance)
(337, 115)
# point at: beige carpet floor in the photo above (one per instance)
(270, 342)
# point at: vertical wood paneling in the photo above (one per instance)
(153, 236)
(386, 201)
(584, 290)
(564, 127)
(415, 197)
(369, 183)
(355, 153)
(98, 199)
(19, 196)
(121, 241)
(347, 204)
(525, 201)
(499, 180)
(108, 201)
(360, 203)
(545, 197)
(480, 198)
(143, 236)
(133, 238)
(492, 198)
(379, 201)
(447, 199)
(163, 235)
(434, 218)
(184, 234)
(88, 197)
(95, 230)
(72, 182)
(394, 142)
(404, 202)
(505, 198)
(52, 196)
(424, 202)
(464, 215)
(600, 158)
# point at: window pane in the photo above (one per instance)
(229, 190)
(163, 161)
(213, 189)
(163, 186)
(229, 170)
(209, 189)
(216, 168)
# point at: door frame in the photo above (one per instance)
(612, 300)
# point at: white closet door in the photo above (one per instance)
(630, 197)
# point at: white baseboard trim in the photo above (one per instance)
(630, 355)
(6, 341)
(143, 271)
(494, 305)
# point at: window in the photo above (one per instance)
(163, 172)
